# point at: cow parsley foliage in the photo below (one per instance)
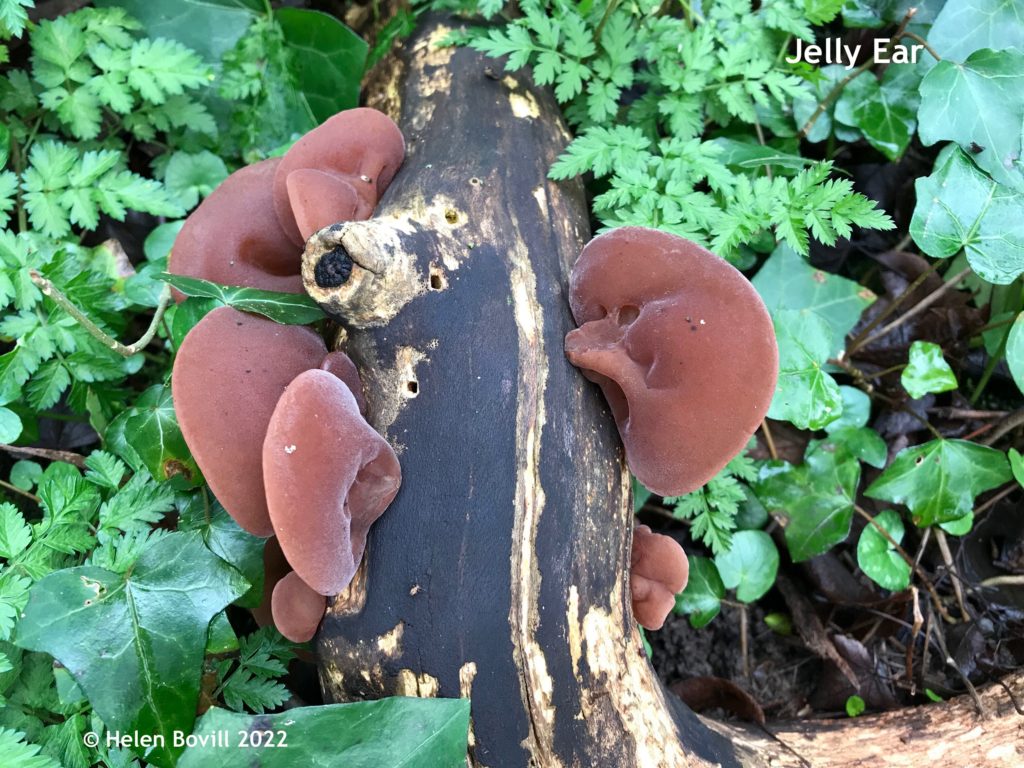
(652, 89)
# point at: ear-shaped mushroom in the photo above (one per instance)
(682, 347)
(234, 237)
(228, 375)
(658, 572)
(297, 609)
(275, 568)
(342, 366)
(337, 171)
(328, 476)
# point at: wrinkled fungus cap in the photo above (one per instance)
(234, 237)
(297, 609)
(659, 571)
(337, 171)
(228, 375)
(328, 476)
(682, 347)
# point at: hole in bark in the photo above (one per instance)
(451, 215)
(437, 280)
(333, 269)
(413, 388)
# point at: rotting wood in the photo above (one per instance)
(504, 558)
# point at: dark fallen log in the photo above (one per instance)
(500, 571)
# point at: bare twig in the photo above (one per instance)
(1004, 581)
(947, 558)
(989, 503)
(15, 489)
(45, 453)
(917, 309)
(744, 642)
(858, 341)
(968, 413)
(978, 703)
(1010, 423)
(54, 293)
(923, 42)
(769, 441)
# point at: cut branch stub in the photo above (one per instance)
(363, 272)
(682, 347)
(328, 476)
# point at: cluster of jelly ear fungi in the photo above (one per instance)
(684, 351)
(274, 420)
(677, 339)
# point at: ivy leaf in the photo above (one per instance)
(927, 371)
(787, 281)
(958, 206)
(750, 565)
(702, 598)
(814, 500)
(963, 27)
(148, 437)
(856, 409)
(284, 308)
(390, 732)
(134, 643)
(887, 116)
(228, 540)
(979, 103)
(1015, 351)
(1016, 465)
(878, 558)
(939, 480)
(806, 395)
(863, 442)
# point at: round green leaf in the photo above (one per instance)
(192, 177)
(750, 564)
(855, 705)
(25, 474)
(878, 558)
(703, 594)
(10, 425)
(927, 371)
